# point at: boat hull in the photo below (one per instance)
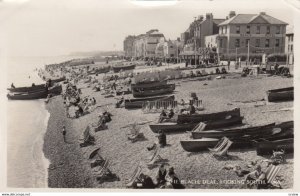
(117, 69)
(35, 95)
(149, 84)
(267, 147)
(196, 118)
(138, 103)
(147, 93)
(283, 94)
(170, 128)
(198, 144)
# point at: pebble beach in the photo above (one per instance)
(70, 167)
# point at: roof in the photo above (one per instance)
(253, 18)
(289, 30)
(218, 21)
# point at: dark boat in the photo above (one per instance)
(101, 70)
(268, 146)
(124, 67)
(171, 127)
(150, 84)
(31, 89)
(35, 95)
(247, 132)
(28, 89)
(138, 103)
(198, 145)
(196, 118)
(169, 88)
(282, 94)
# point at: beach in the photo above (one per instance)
(70, 166)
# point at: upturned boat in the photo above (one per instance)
(268, 146)
(282, 94)
(123, 67)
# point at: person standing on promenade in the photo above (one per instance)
(162, 139)
(64, 132)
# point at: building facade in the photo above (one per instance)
(145, 44)
(258, 33)
(128, 45)
(193, 39)
(289, 46)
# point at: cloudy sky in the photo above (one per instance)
(58, 27)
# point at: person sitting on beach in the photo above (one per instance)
(146, 182)
(107, 116)
(257, 177)
(172, 180)
(12, 85)
(182, 102)
(171, 114)
(191, 109)
(33, 85)
(223, 70)
(162, 116)
(218, 71)
(161, 175)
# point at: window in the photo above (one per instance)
(221, 43)
(248, 30)
(257, 42)
(225, 29)
(237, 43)
(291, 48)
(220, 30)
(267, 43)
(258, 30)
(292, 37)
(238, 29)
(277, 29)
(247, 42)
(277, 43)
(268, 29)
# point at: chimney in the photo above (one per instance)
(209, 16)
(262, 13)
(231, 14)
(200, 17)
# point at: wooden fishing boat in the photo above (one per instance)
(282, 94)
(171, 127)
(247, 132)
(196, 118)
(150, 84)
(36, 94)
(123, 67)
(138, 103)
(28, 89)
(268, 146)
(101, 70)
(198, 145)
(169, 88)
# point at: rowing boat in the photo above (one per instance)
(247, 132)
(282, 94)
(198, 144)
(138, 103)
(150, 84)
(27, 89)
(35, 95)
(123, 67)
(171, 127)
(169, 88)
(196, 118)
(268, 146)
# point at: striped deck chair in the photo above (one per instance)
(135, 174)
(271, 174)
(154, 157)
(200, 127)
(222, 147)
(103, 169)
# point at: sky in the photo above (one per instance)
(60, 27)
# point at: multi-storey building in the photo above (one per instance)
(258, 33)
(289, 45)
(128, 46)
(194, 37)
(145, 44)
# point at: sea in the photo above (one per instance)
(26, 125)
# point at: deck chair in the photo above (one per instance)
(87, 139)
(200, 127)
(155, 159)
(102, 169)
(271, 175)
(135, 174)
(222, 147)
